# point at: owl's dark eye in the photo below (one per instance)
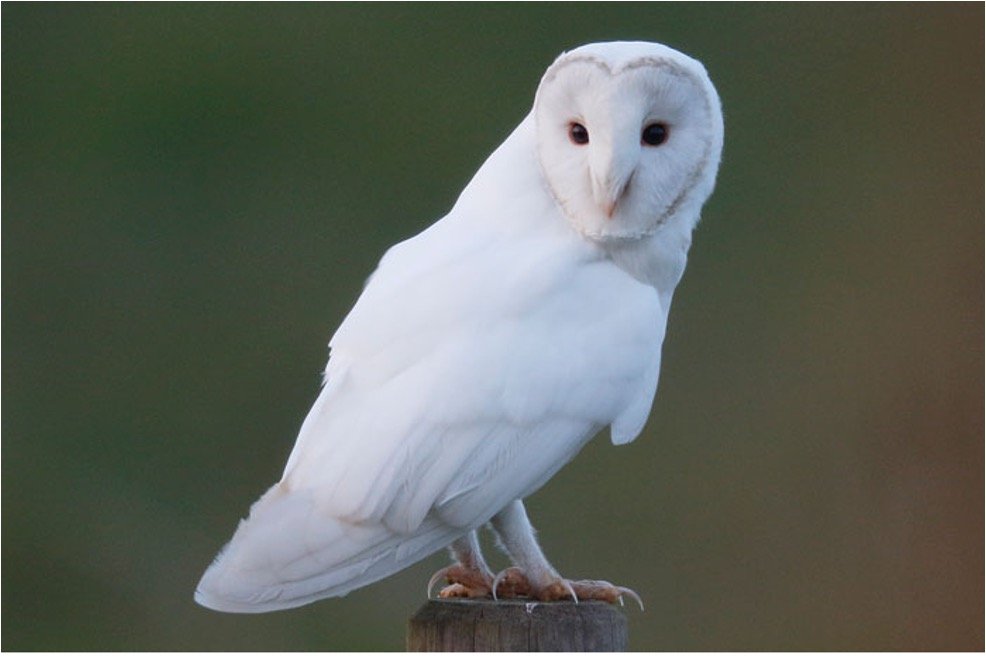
(655, 134)
(578, 134)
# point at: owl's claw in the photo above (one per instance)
(463, 582)
(626, 591)
(513, 583)
(435, 577)
(600, 590)
(571, 590)
(496, 584)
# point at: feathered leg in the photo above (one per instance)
(533, 575)
(469, 577)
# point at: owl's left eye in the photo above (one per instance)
(655, 134)
(578, 134)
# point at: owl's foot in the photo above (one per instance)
(513, 582)
(463, 583)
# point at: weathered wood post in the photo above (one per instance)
(516, 625)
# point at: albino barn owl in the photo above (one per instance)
(486, 351)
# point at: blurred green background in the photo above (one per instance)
(193, 195)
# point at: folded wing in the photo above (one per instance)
(466, 375)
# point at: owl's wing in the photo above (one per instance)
(479, 372)
(469, 371)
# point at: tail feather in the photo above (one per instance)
(287, 554)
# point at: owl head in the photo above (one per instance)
(629, 136)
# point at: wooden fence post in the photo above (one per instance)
(516, 625)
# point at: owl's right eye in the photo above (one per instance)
(578, 134)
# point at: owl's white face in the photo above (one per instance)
(629, 135)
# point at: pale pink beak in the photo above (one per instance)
(611, 198)
(609, 191)
(612, 169)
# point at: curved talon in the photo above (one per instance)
(496, 582)
(435, 577)
(626, 591)
(571, 590)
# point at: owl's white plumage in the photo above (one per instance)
(487, 350)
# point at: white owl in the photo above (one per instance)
(486, 351)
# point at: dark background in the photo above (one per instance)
(194, 194)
